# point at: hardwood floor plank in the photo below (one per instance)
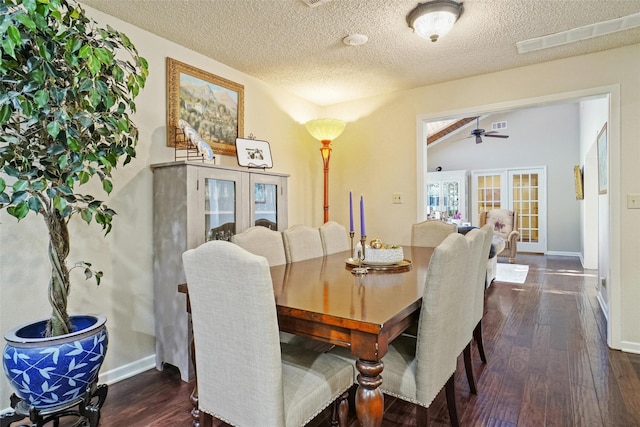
(534, 401)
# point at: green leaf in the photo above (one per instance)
(53, 129)
(103, 55)
(107, 186)
(41, 97)
(5, 113)
(84, 177)
(14, 35)
(85, 51)
(59, 203)
(19, 211)
(34, 204)
(94, 64)
(62, 161)
(9, 47)
(26, 21)
(20, 185)
(30, 5)
(3, 185)
(86, 215)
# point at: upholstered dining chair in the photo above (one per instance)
(480, 286)
(302, 242)
(430, 233)
(334, 238)
(416, 369)
(477, 262)
(262, 241)
(239, 358)
(505, 225)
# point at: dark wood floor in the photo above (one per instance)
(548, 365)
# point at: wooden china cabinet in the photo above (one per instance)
(194, 202)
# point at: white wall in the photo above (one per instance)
(541, 136)
(125, 255)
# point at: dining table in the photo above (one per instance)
(322, 299)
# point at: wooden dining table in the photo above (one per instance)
(322, 299)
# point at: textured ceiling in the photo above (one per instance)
(291, 45)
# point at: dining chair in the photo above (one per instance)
(481, 285)
(476, 240)
(430, 233)
(262, 241)
(245, 376)
(302, 242)
(334, 238)
(416, 369)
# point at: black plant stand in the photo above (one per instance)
(85, 408)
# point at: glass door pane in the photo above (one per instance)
(451, 198)
(433, 197)
(219, 209)
(265, 205)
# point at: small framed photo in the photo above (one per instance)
(253, 153)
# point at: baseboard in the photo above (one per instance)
(603, 306)
(630, 347)
(562, 253)
(127, 371)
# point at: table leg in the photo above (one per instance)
(369, 397)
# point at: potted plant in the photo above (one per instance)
(67, 90)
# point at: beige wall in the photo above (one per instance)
(375, 156)
(379, 153)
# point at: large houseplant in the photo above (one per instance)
(67, 89)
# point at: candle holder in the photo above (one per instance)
(360, 269)
(351, 234)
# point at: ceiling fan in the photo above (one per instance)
(479, 133)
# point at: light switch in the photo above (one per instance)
(633, 201)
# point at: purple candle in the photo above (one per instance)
(350, 213)
(363, 231)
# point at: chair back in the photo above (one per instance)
(302, 242)
(264, 242)
(476, 263)
(445, 286)
(502, 221)
(334, 238)
(481, 278)
(430, 233)
(235, 327)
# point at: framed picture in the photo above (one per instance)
(602, 160)
(253, 153)
(210, 104)
(260, 196)
(577, 177)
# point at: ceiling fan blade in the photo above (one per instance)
(496, 135)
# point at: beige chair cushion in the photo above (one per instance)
(264, 242)
(502, 222)
(430, 233)
(334, 238)
(302, 242)
(244, 378)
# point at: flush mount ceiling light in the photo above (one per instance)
(434, 19)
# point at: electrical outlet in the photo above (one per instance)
(397, 198)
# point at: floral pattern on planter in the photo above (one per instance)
(51, 375)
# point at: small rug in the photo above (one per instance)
(511, 273)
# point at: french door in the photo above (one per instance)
(520, 190)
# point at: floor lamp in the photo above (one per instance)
(325, 131)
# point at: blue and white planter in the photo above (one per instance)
(48, 372)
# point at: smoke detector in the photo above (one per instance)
(355, 39)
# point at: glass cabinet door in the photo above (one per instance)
(219, 209)
(433, 197)
(268, 201)
(450, 198)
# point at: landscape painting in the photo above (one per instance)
(210, 104)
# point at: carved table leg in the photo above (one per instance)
(369, 398)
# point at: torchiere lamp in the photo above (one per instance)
(325, 131)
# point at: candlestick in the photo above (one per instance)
(363, 231)
(351, 234)
(351, 215)
(361, 269)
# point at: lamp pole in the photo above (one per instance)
(325, 151)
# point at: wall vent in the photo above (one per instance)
(315, 3)
(498, 125)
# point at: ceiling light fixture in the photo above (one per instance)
(434, 19)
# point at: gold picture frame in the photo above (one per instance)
(219, 120)
(577, 177)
